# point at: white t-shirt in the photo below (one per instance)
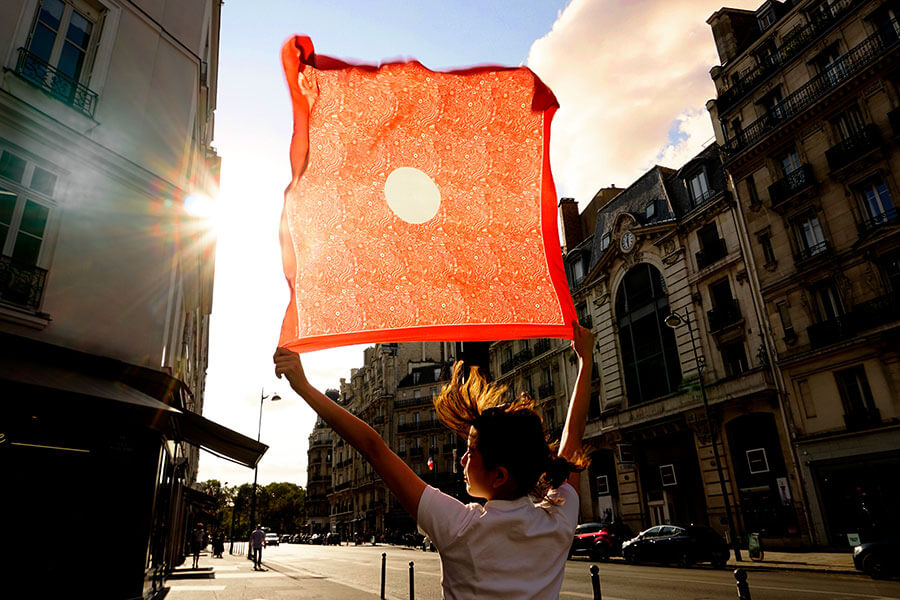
(507, 549)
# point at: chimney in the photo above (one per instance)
(573, 234)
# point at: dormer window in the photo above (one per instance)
(650, 210)
(698, 187)
(605, 241)
(766, 17)
(578, 269)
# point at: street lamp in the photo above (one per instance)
(675, 320)
(262, 396)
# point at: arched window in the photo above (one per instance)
(649, 355)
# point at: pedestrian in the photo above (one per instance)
(516, 544)
(257, 543)
(198, 542)
(218, 542)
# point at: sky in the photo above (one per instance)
(632, 80)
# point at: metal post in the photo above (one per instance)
(233, 512)
(743, 588)
(595, 581)
(412, 585)
(735, 541)
(383, 567)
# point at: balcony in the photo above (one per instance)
(59, 85)
(712, 251)
(541, 346)
(21, 284)
(412, 402)
(420, 426)
(794, 42)
(862, 418)
(888, 216)
(545, 391)
(517, 359)
(342, 486)
(859, 144)
(858, 58)
(807, 253)
(415, 452)
(865, 315)
(727, 313)
(792, 184)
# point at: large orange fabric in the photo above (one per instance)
(486, 266)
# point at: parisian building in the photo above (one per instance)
(668, 244)
(106, 279)
(393, 393)
(807, 112)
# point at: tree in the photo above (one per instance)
(280, 506)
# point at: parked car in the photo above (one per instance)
(683, 546)
(600, 541)
(271, 539)
(879, 559)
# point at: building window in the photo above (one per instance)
(772, 103)
(856, 396)
(735, 358)
(828, 302)
(810, 238)
(829, 64)
(787, 326)
(789, 162)
(650, 210)
(712, 247)
(757, 461)
(62, 35)
(648, 349)
(602, 485)
(752, 193)
(765, 244)
(877, 202)
(604, 241)
(766, 17)
(626, 453)
(849, 123)
(578, 269)
(698, 187)
(809, 407)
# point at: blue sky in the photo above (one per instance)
(631, 78)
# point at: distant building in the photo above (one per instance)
(318, 478)
(106, 120)
(392, 392)
(807, 114)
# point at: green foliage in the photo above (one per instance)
(279, 506)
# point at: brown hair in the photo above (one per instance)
(508, 434)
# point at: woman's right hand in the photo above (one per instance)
(288, 363)
(583, 342)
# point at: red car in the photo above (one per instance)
(600, 541)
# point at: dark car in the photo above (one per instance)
(600, 541)
(879, 559)
(683, 546)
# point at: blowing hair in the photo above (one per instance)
(507, 433)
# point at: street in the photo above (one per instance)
(303, 571)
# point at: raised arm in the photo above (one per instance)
(401, 480)
(573, 431)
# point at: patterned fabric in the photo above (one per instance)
(421, 205)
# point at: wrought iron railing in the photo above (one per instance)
(847, 151)
(420, 426)
(725, 314)
(412, 402)
(795, 42)
(791, 184)
(865, 315)
(712, 251)
(888, 216)
(517, 359)
(851, 63)
(59, 85)
(815, 250)
(20, 283)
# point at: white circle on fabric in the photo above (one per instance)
(412, 195)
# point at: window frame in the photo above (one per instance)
(23, 194)
(667, 475)
(705, 194)
(765, 460)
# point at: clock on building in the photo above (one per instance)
(626, 242)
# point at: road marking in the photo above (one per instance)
(250, 575)
(418, 572)
(352, 586)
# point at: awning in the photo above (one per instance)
(94, 384)
(220, 440)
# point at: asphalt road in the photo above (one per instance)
(359, 567)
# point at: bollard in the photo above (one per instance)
(412, 586)
(383, 567)
(595, 581)
(743, 588)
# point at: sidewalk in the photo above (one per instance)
(826, 562)
(233, 578)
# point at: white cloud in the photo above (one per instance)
(626, 74)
